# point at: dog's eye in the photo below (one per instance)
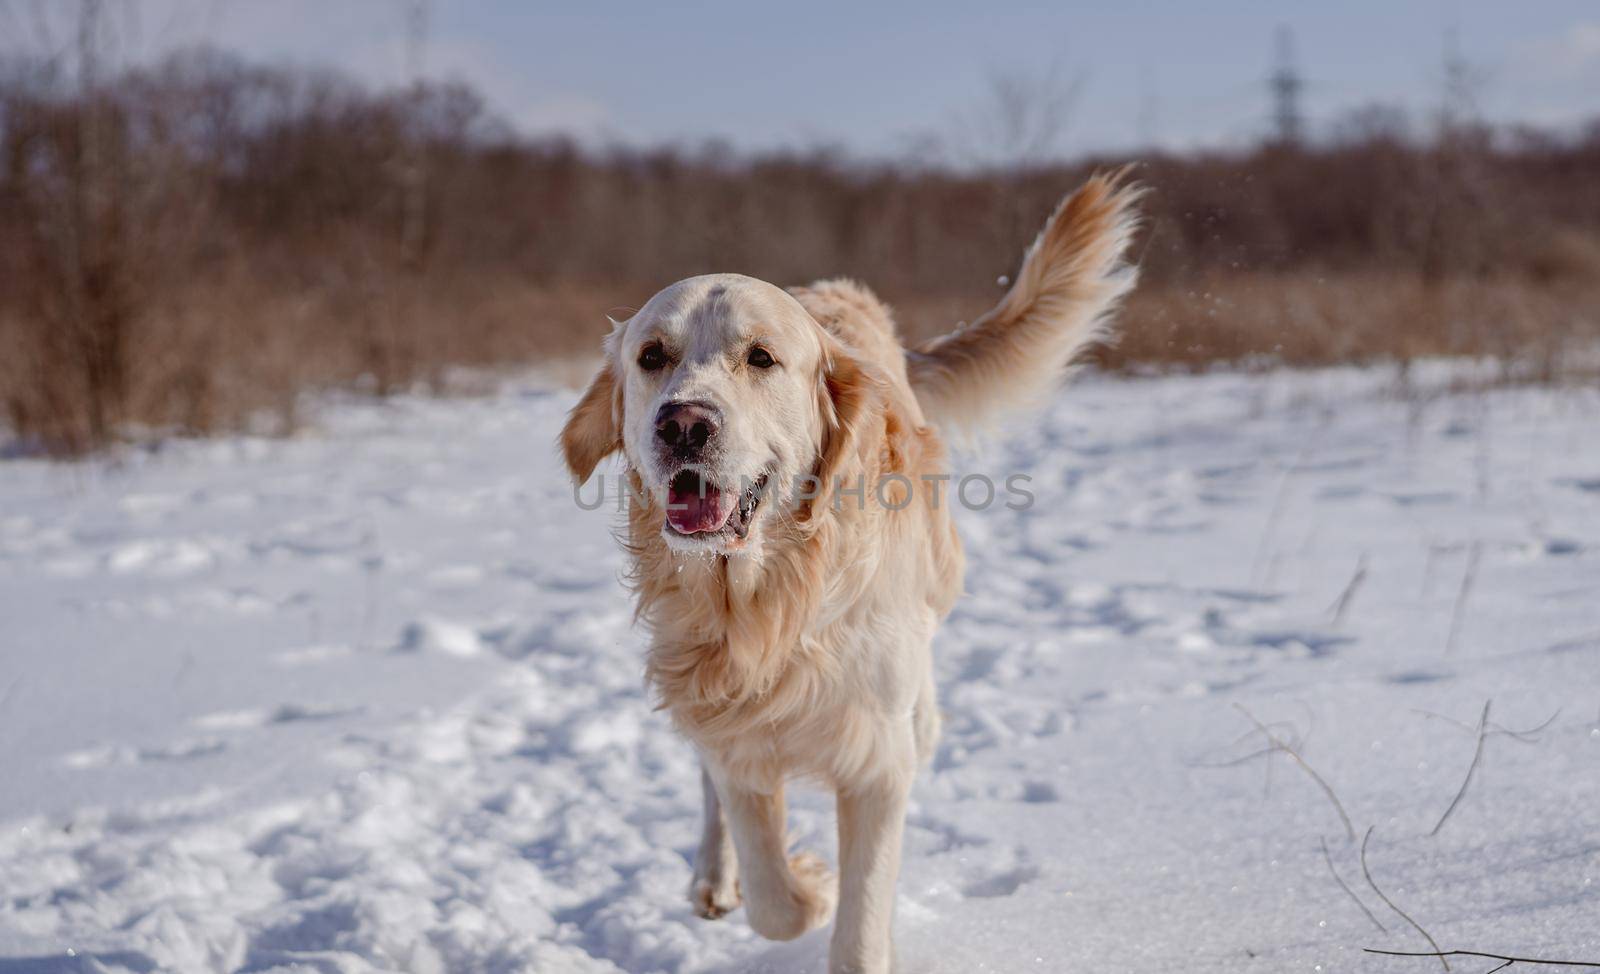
(652, 357)
(760, 358)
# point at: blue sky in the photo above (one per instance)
(878, 79)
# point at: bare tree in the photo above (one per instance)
(1020, 121)
(414, 165)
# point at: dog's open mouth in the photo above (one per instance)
(696, 506)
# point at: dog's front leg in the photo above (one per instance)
(871, 821)
(783, 896)
(714, 891)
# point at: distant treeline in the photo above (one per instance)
(188, 244)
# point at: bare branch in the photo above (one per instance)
(1401, 913)
(1022, 118)
(1509, 960)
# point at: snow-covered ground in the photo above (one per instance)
(369, 699)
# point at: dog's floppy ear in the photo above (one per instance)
(594, 427)
(849, 396)
(592, 433)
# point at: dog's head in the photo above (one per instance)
(730, 402)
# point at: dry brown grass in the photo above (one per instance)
(231, 353)
(190, 247)
(1304, 319)
(1301, 318)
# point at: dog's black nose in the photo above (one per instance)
(686, 425)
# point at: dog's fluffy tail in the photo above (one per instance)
(1070, 283)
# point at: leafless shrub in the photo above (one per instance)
(187, 244)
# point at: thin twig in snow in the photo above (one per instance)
(1460, 610)
(1446, 718)
(1401, 913)
(1342, 603)
(1477, 757)
(1235, 762)
(1509, 959)
(1327, 858)
(1481, 462)
(1427, 570)
(1279, 501)
(1525, 736)
(1496, 729)
(1294, 738)
(1281, 745)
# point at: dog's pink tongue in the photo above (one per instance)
(699, 509)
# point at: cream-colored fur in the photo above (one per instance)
(1071, 280)
(802, 649)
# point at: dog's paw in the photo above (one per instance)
(802, 901)
(817, 886)
(713, 900)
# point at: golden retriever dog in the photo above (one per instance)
(792, 555)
